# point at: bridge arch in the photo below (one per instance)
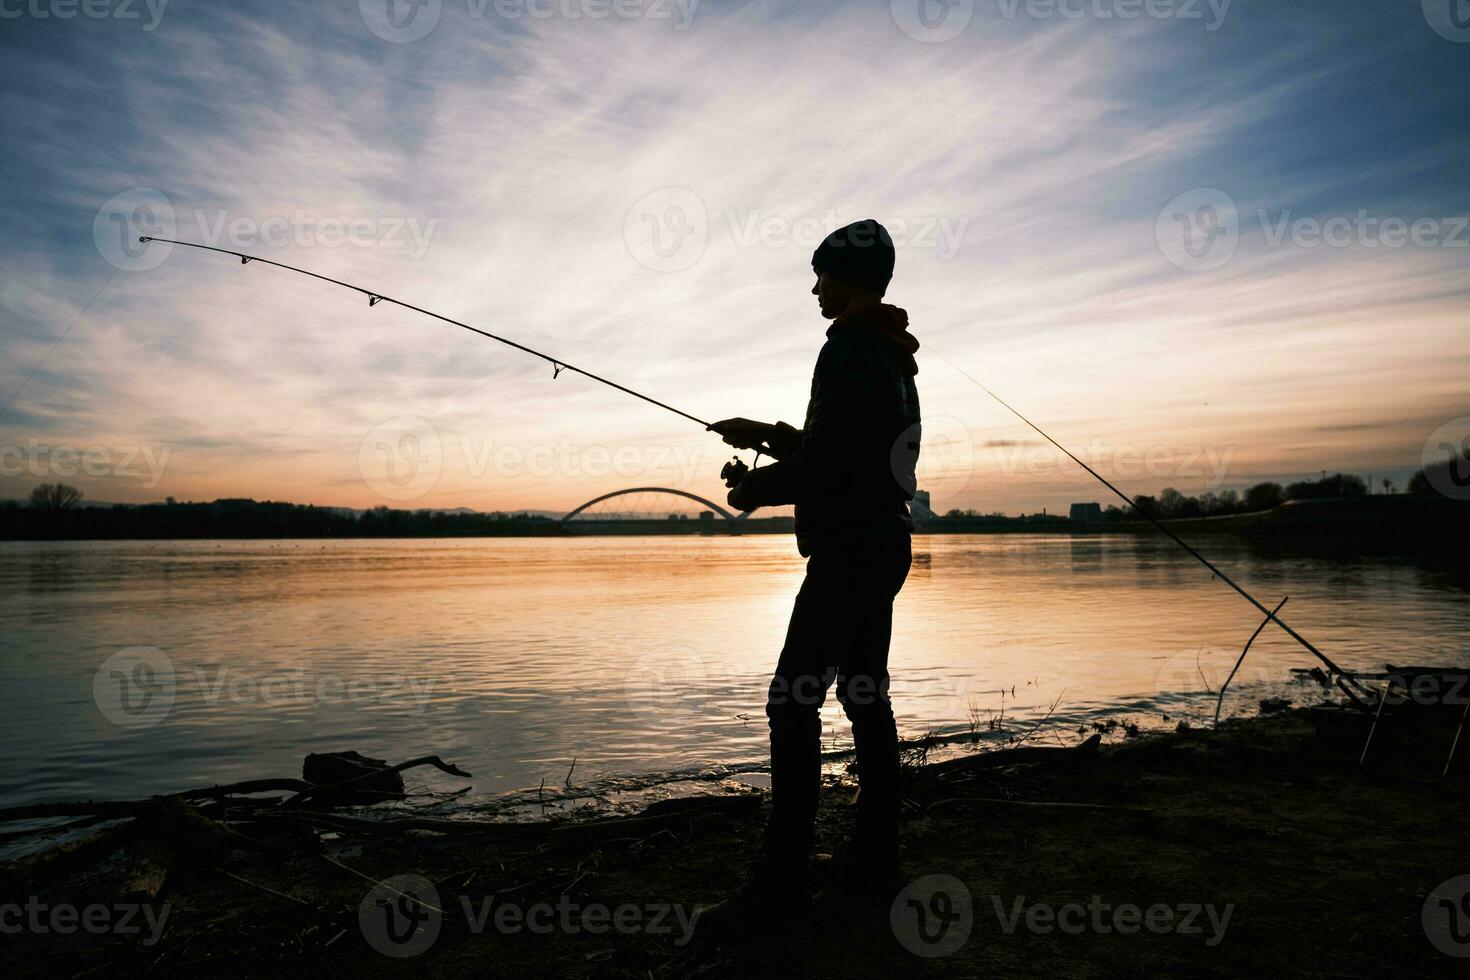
(677, 493)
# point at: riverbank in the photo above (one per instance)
(1257, 849)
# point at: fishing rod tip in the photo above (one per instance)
(144, 238)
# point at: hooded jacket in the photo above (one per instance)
(852, 463)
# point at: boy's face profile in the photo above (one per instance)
(835, 296)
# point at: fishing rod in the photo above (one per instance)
(558, 366)
(375, 297)
(1269, 613)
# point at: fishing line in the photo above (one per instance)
(57, 342)
(1270, 615)
(374, 298)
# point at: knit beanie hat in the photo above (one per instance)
(861, 253)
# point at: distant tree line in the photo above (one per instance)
(55, 512)
(1171, 503)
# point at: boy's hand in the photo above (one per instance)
(736, 498)
(743, 433)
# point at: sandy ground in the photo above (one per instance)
(1258, 849)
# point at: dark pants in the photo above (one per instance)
(839, 631)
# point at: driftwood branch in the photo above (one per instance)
(426, 760)
(124, 809)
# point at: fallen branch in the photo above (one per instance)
(319, 788)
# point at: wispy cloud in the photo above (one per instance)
(489, 171)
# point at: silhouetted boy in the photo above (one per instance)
(850, 472)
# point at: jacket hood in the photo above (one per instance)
(892, 323)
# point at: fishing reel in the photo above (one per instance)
(733, 472)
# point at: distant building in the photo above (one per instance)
(920, 507)
(1086, 514)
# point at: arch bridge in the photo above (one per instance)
(714, 507)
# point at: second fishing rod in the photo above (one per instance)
(732, 474)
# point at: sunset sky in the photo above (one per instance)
(640, 195)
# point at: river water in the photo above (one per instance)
(141, 667)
